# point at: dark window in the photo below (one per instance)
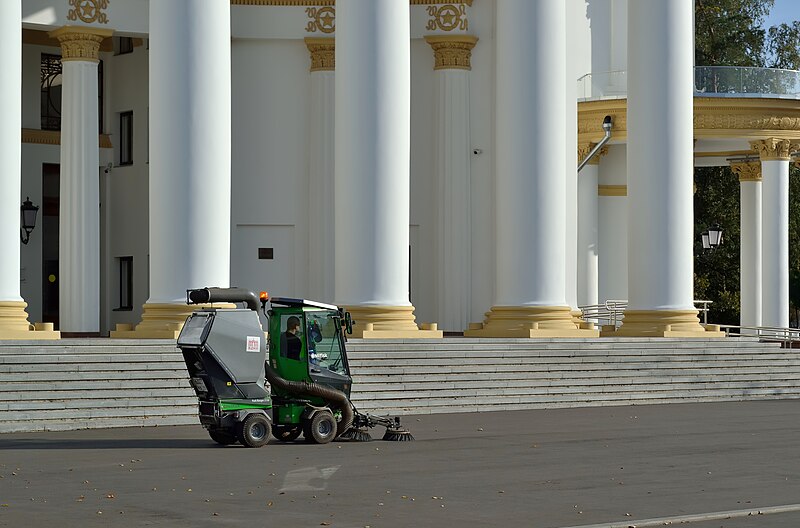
(123, 45)
(125, 283)
(126, 138)
(51, 80)
(265, 253)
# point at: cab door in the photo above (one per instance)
(327, 362)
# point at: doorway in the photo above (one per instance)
(50, 208)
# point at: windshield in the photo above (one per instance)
(323, 341)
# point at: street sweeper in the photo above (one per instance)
(293, 380)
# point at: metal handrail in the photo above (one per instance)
(612, 311)
(786, 336)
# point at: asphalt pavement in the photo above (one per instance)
(730, 465)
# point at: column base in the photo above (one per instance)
(390, 322)
(14, 323)
(664, 323)
(161, 321)
(531, 321)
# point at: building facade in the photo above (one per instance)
(413, 161)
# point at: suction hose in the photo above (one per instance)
(232, 295)
(337, 398)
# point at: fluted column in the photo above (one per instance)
(751, 241)
(79, 209)
(588, 226)
(373, 128)
(660, 168)
(190, 158)
(530, 282)
(775, 154)
(452, 67)
(322, 235)
(13, 317)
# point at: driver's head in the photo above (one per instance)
(292, 324)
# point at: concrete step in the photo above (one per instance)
(70, 424)
(100, 375)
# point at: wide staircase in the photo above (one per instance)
(90, 383)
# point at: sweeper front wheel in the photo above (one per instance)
(253, 431)
(222, 436)
(321, 428)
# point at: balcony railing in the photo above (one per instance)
(711, 81)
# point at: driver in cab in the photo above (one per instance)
(291, 345)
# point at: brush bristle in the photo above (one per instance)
(356, 435)
(398, 435)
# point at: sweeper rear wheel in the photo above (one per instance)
(222, 436)
(253, 431)
(321, 428)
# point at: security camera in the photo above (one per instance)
(477, 151)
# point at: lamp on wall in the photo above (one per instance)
(28, 212)
(713, 237)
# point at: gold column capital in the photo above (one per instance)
(452, 52)
(79, 43)
(774, 148)
(747, 171)
(585, 148)
(323, 53)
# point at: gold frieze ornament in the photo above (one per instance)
(747, 171)
(323, 53)
(88, 11)
(452, 52)
(448, 17)
(322, 19)
(585, 148)
(80, 43)
(774, 148)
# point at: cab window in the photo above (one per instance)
(323, 341)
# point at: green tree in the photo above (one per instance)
(730, 33)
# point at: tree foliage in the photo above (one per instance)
(730, 33)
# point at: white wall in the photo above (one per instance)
(125, 200)
(613, 230)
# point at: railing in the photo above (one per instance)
(708, 81)
(787, 337)
(612, 311)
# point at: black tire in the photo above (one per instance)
(321, 428)
(286, 433)
(222, 436)
(253, 431)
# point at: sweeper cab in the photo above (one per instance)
(295, 381)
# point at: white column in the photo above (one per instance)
(79, 209)
(190, 158)
(530, 189)
(452, 55)
(751, 242)
(373, 127)
(322, 234)
(660, 165)
(588, 224)
(774, 155)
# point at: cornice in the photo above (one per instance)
(53, 137)
(322, 3)
(452, 52)
(714, 117)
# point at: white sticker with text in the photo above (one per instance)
(253, 343)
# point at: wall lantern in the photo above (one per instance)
(28, 212)
(713, 237)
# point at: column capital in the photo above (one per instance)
(747, 171)
(773, 148)
(452, 52)
(585, 148)
(323, 53)
(80, 43)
